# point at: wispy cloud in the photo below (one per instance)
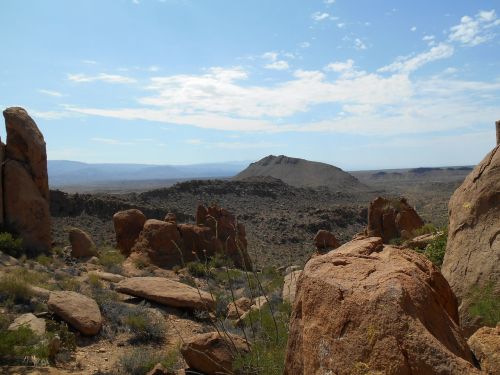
(89, 62)
(472, 31)
(50, 93)
(305, 45)
(112, 141)
(320, 16)
(102, 77)
(234, 145)
(410, 64)
(413, 28)
(274, 62)
(359, 44)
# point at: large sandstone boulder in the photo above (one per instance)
(25, 181)
(198, 240)
(159, 243)
(80, 311)
(212, 354)
(325, 240)
(290, 286)
(375, 308)
(128, 224)
(166, 292)
(472, 255)
(391, 219)
(26, 210)
(485, 344)
(82, 244)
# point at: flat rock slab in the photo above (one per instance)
(37, 325)
(80, 311)
(106, 276)
(166, 292)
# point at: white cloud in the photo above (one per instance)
(329, 1)
(410, 64)
(472, 31)
(89, 62)
(359, 44)
(135, 2)
(153, 68)
(341, 25)
(413, 29)
(51, 115)
(278, 65)
(320, 16)
(102, 77)
(50, 93)
(340, 66)
(111, 141)
(193, 141)
(305, 45)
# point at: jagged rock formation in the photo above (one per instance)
(301, 173)
(369, 308)
(472, 257)
(391, 219)
(25, 185)
(168, 244)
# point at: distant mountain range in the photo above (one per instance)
(301, 173)
(65, 172)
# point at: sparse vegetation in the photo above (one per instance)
(485, 303)
(111, 259)
(10, 245)
(198, 269)
(142, 359)
(427, 228)
(14, 289)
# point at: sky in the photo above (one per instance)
(361, 84)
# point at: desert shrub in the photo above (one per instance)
(436, 249)
(197, 269)
(94, 281)
(44, 260)
(398, 241)
(141, 360)
(269, 343)
(136, 319)
(111, 259)
(11, 245)
(485, 303)
(218, 260)
(14, 288)
(68, 283)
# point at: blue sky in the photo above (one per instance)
(361, 84)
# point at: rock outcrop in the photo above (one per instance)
(82, 244)
(472, 257)
(128, 224)
(25, 181)
(325, 240)
(372, 307)
(37, 325)
(290, 286)
(391, 219)
(485, 344)
(238, 308)
(166, 292)
(80, 311)
(212, 354)
(168, 244)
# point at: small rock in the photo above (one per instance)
(37, 325)
(111, 277)
(485, 344)
(290, 286)
(82, 244)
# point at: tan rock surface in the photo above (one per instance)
(166, 292)
(37, 325)
(366, 306)
(78, 310)
(485, 344)
(128, 224)
(290, 286)
(212, 354)
(325, 240)
(473, 250)
(82, 244)
(237, 308)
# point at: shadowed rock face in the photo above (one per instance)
(472, 255)
(366, 306)
(25, 181)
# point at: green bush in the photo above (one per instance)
(436, 249)
(269, 344)
(111, 259)
(485, 303)
(10, 245)
(425, 229)
(14, 288)
(398, 241)
(197, 269)
(141, 360)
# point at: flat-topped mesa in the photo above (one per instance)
(497, 124)
(25, 183)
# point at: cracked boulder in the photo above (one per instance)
(370, 308)
(472, 256)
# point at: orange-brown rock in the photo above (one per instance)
(128, 224)
(82, 244)
(228, 231)
(159, 242)
(80, 311)
(485, 344)
(375, 308)
(26, 210)
(199, 240)
(166, 292)
(238, 308)
(25, 181)
(170, 218)
(392, 219)
(472, 255)
(212, 354)
(325, 240)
